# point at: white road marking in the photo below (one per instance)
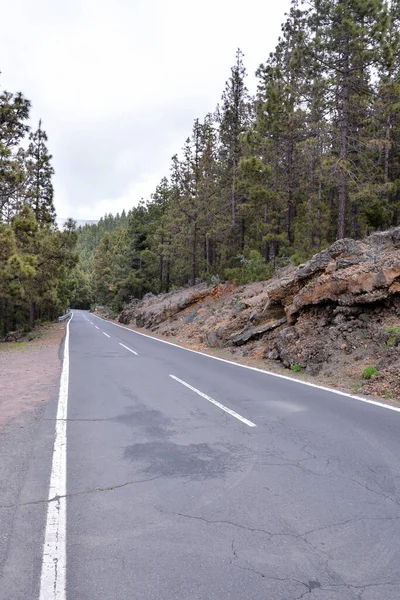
(104, 333)
(263, 371)
(228, 410)
(54, 563)
(96, 327)
(126, 347)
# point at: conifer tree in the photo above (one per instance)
(40, 192)
(102, 275)
(14, 112)
(234, 117)
(346, 43)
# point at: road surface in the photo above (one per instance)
(190, 478)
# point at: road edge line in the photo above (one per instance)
(264, 372)
(54, 561)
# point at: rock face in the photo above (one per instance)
(255, 332)
(153, 310)
(330, 312)
(347, 273)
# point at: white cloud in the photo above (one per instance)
(119, 84)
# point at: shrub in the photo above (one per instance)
(393, 338)
(395, 330)
(369, 371)
(34, 336)
(296, 368)
(252, 268)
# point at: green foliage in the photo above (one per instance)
(252, 268)
(369, 372)
(393, 337)
(33, 336)
(39, 187)
(36, 259)
(296, 368)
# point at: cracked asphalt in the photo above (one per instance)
(169, 497)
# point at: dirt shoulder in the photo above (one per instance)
(29, 372)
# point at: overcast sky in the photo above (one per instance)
(118, 83)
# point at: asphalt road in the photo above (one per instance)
(286, 492)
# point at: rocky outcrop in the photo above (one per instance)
(153, 310)
(347, 273)
(238, 339)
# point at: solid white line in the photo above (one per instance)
(126, 347)
(264, 372)
(104, 333)
(54, 563)
(227, 410)
(96, 327)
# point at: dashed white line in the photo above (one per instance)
(130, 350)
(96, 327)
(227, 410)
(104, 333)
(54, 563)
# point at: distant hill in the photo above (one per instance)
(79, 222)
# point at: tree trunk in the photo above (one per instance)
(242, 232)
(265, 248)
(233, 194)
(167, 277)
(289, 189)
(31, 314)
(3, 317)
(387, 156)
(161, 265)
(344, 140)
(160, 273)
(194, 255)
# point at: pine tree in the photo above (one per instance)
(347, 37)
(40, 192)
(159, 236)
(386, 119)
(14, 112)
(234, 117)
(102, 274)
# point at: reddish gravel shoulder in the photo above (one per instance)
(29, 372)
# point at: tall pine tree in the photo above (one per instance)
(40, 192)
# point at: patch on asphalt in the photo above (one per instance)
(175, 460)
(152, 422)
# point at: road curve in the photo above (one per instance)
(189, 478)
